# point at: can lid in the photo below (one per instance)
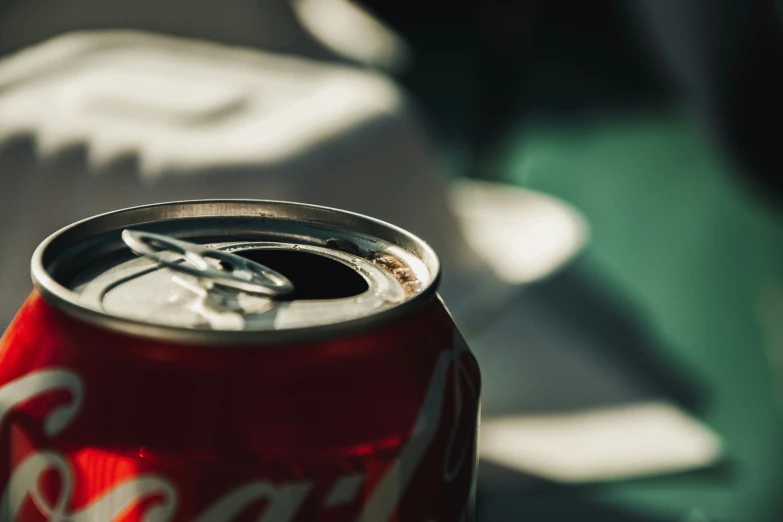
(234, 271)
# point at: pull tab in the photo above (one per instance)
(231, 271)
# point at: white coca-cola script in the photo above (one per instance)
(283, 501)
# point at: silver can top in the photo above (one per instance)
(234, 271)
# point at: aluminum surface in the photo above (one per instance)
(79, 269)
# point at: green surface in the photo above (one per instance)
(674, 231)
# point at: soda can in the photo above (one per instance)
(233, 360)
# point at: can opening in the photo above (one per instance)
(344, 272)
(313, 276)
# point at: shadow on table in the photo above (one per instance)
(508, 495)
(571, 344)
(584, 303)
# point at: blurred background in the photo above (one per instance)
(601, 181)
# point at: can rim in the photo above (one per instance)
(65, 300)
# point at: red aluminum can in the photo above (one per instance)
(228, 361)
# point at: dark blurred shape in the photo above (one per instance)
(727, 58)
(491, 58)
(467, 69)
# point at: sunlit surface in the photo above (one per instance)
(347, 29)
(179, 104)
(522, 235)
(603, 444)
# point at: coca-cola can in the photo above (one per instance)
(232, 360)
